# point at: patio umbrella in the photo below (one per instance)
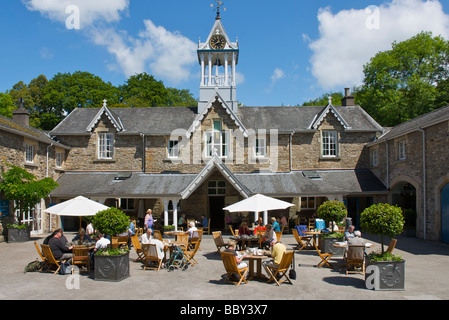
(77, 207)
(258, 203)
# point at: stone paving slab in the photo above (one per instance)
(426, 278)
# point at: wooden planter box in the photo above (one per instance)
(327, 246)
(18, 235)
(385, 275)
(111, 268)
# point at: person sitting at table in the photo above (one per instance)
(182, 222)
(244, 229)
(204, 222)
(269, 236)
(102, 243)
(275, 225)
(131, 228)
(82, 236)
(350, 232)
(191, 230)
(59, 249)
(147, 236)
(357, 240)
(238, 257)
(277, 252)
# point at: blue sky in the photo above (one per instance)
(290, 51)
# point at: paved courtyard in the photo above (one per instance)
(426, 278)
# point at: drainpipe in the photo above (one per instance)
(290, 146)
(48, 147)
(143, 151)
(424, 179)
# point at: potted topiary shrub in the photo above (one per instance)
(111, 264)
(22, 186)
(332, 211)
(385, 271)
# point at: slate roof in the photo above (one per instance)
(423, 121)
(164, 120)
(18, 128)
(103, 184)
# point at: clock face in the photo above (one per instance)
(217, 42)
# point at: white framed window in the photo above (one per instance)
(59, 159)
(261, 147)
(173, 148)
(216, 188)
(105, 145)
(308, 203)
(29, 153)
(374, 158)
(217, 139)
(401, 150)
(329, 147)
(127, 204)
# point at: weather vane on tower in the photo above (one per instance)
(219, 3)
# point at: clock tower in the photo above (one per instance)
(218, 57)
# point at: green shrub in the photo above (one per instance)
(111, 221)
(386, 256)
(382, 219)
(332, 211)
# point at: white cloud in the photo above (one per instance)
(168, 55)
(90, 10)
(275, 77)
(349, 38)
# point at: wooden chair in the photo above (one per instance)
(324, 259)
(197, 236)
(311, 223)
(123, 240)
(278, 235)
(44, 260)
(190, 253)
(355, 257)
(81, 257)
(303, 241)
(51, 261)
(138, 247)
(232, 269)
(232, 230)
(182, 240)
(207, 229)
(392, 245)
(114, 242)
(277, 272)
(157, 235)
(218, 239)
(150, 255)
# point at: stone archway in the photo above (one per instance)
(404, 195)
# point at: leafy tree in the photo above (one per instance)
(401, 84)
(20, 185)
(324, 99)
(6, 105)
(143, 90)
(331, 211)
(111, 221)
(382, 219)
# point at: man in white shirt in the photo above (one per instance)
(148, 238)
(102, 243)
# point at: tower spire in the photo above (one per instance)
(219, 3)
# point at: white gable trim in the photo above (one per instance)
(215, 162)
(316, 122)
(197, 121)
(117, 123)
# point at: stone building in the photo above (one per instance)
(195, 161)
(32, 149)
(411, 160)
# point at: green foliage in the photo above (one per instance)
(20, 185)
(169, 227)
(324, 100)
(383, 256)
(332, 211)
(111, 221)
(17, 226)
(337, 235)
(406, 81)
(382, 219)
(112, 251)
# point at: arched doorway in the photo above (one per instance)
(404, 196)
(445, 213)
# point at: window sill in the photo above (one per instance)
(104, 160)
(330, 158)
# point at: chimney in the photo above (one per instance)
(21, 115)
(348, 100)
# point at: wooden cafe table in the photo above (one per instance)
(255, 259)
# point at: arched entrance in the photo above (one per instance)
(404, 196)
(445, 213)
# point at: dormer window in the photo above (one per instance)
(105, 145)
(173, 148)
(329, 144)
